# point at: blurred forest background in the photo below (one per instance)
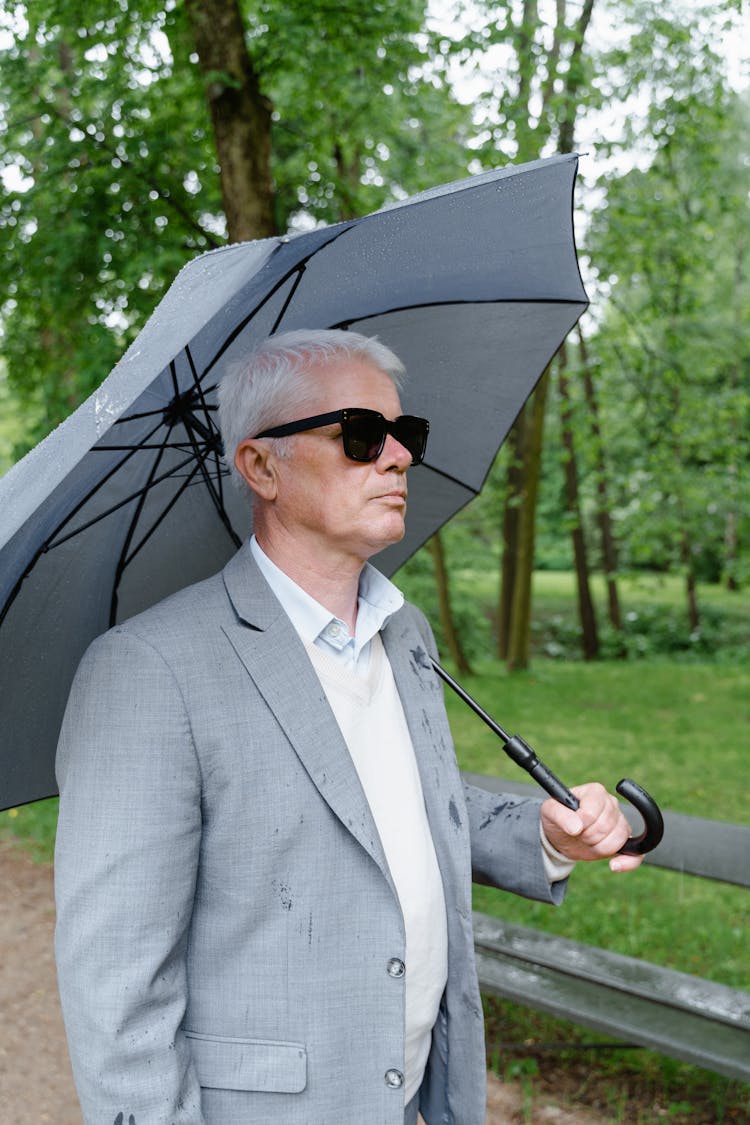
(135, 140)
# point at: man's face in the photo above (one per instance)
(330, 505)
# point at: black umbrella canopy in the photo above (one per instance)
(474, 285)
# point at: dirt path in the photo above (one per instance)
(36, 1085)
(35, 1081)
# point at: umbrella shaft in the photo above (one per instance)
(523, 755)
(520, 751)
(468, 699)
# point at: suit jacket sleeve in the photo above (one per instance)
(126, 859)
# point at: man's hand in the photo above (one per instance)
(596, 831)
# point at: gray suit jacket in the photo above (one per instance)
(226, 917)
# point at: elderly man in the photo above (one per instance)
(265, 849)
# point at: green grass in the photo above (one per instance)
(680, 729)
(33, 826)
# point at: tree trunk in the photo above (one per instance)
(445, 610)
(519, 639)
(240, 114)
(511, 508)
(608, 543)
(586, 611)
(514, 624)
(731, 540)
(694, 617)
(731, 535)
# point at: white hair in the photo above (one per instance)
(268, 387)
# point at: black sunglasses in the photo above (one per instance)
(364, 432)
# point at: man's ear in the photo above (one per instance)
(256, 464)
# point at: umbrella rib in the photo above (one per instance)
(182, 445)
(48, 545)
(120, 504)
(125, 562)
(475, 301)
(298, 268)
(212, 429)
(155, 525)
(153, 413)
(289, 298)
(215, 489)
(217, 498)
(137, 513)
(449, 476)
(93, 491)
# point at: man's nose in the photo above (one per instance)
(393, 455)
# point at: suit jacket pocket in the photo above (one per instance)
(248, 1064)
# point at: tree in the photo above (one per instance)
(445, 607)
(240, 115)
(103, 206)
(128, 133)
(530, 109)
(548, 80)
(586, 610)
(675, 338)
(607, 538)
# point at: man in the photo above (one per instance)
(265, 848)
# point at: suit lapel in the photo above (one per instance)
(275, 658)
(422, 699)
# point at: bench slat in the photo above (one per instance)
(615, 971)
(650, 1024)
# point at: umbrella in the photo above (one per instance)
(473, 284)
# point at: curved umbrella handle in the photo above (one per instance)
(653, 821)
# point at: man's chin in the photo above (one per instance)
(388, 538)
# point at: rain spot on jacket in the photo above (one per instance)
(419, 660)
(495, 812)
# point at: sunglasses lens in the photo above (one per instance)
(364, 434)
(412, 433)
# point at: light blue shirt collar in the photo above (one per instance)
(378, 600)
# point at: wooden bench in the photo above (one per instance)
(675, 1013)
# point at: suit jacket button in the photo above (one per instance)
(396, 967)
(394, 1079)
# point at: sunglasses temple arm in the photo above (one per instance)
(514, 746)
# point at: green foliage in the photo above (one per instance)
(13, 424)
(366, 118)
(673, 349)
(650, 631)
(111, 184)
(100, 211)
(110, 167)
